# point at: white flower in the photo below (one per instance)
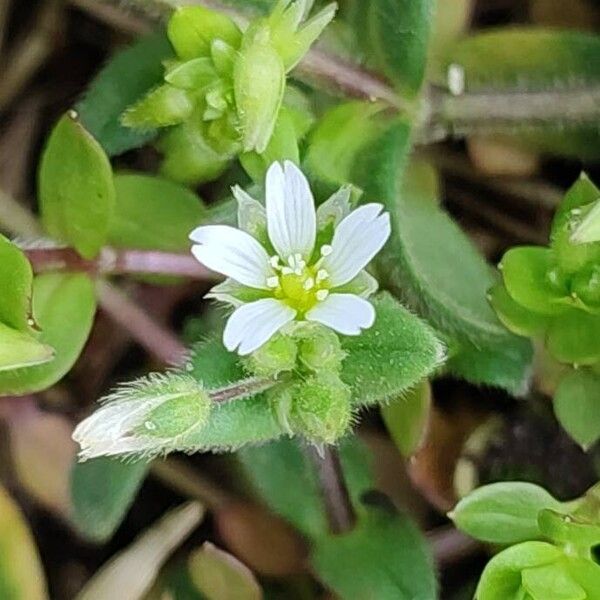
(308, 265)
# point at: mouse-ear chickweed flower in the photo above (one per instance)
(289, 262)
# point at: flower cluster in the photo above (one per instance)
(289, 262)
(223, 92)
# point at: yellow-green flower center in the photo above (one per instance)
(298, 285)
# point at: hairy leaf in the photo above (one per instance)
(390, 357)
(127, 77)
(102, 490)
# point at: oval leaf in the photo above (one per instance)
(16, 279)
(76, 188)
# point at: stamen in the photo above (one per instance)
(326, 250)
(322, 274)
(286, 271)
(309, 284)
(322, 294)
(273, 282)
(274, 261)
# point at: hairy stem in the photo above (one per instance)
(119, 262)
(334, 491)
(242, 389)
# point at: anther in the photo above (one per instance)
(322, 274)
(326, 250)
(309, 284)
(322, 294)
(273, 282)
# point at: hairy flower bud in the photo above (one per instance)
(319, 348)
(274, 357)
(145, 417)
(320, 409)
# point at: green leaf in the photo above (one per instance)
(497, 363)
(501, 578)
(574, 338)
(337, 139)
(127, 77)
(431, 264)
(503, 513)
(76, 188)
(102, 491)
(406, 418)
(514, 316)
(551, 581)
(285, 478)
(587, 574)
(16, 279)
(192, 29)
(577, 406)
(384, 557)
(397, 39)
(535, 59)
(525, 270)
(19, 349)
(390, 357)
(221, 576)
(64, 306)
(153, 213)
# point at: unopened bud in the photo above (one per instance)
(274, 357)
(319, 348)
(145, 417)
(320, 409)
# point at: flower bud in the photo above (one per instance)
(145, 417)
(274, 357)
(319, 348)
(259, 83)
(320, 408)
(188, 156)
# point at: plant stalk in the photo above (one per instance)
(334, 491)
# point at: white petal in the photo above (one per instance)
(291, 217)
(357, 239)
(345, 313)
(233, 253)
(251, 325)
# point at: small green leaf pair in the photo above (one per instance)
(223, 94)
(551, 557)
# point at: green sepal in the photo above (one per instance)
(192, 29)
(567, 529)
